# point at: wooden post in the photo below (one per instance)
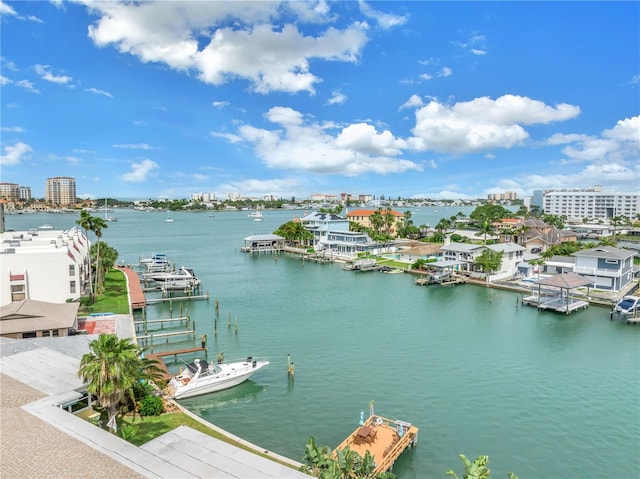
(215, 325)
(229, 320)
(236, 325)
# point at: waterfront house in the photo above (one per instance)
(363, 217)
(512, 254)
(267, 243)
(346, 244)
(535, 235)
(610, 268)
(464, 253)
(320, 224)
(50, 265)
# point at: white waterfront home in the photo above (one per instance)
(50, 266)
(512, 254)
(321, 223)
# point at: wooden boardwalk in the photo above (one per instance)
(385, 439)
(137, 299)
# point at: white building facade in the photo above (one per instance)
(50, 266)
(588, 203)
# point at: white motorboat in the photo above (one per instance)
(629, 306)
(45, 227)
(108, 218)
(181, 274)
(201, 377)
(255, 215)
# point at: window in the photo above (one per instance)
(611, 261)
(72, 286)
(72, 270)
(17, 292)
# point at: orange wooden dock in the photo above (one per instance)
(137, 299)
(385, 439)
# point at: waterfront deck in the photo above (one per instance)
(385, 439)
(137, 299)
(560, 304)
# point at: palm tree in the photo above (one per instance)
(98, 225)
(110, 369)
(485, 228)
(608, 241)
(86, 223)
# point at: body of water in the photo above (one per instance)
(543, 394)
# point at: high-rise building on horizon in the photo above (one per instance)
(61, 191)
(9, 191)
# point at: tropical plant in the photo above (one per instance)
(86, 223)
(295, 232)
(478, 469)
(607, 241)
(151, 406)
(377, 221)
(110, 369)
(489, 261)
(485, 228)
(97, 226)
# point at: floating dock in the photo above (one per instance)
(385, 439)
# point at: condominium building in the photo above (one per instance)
(24, 192)
(60, 191)
(50, 266)
(587, 203)
(9, 191)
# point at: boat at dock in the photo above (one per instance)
(200, 377)
(628, 306)
(183, 274)
(368, 264)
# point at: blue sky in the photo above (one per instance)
(410, 99)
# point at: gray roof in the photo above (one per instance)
(605, 252)
(506, 247)
(461, 247)
(315, 216)
(30, 315)
(265, 237)
(444, 264)
(566, 281)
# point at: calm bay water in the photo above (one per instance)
(544, 395)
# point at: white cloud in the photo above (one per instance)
(26, 84)
(12, 129)
(477, 51)
(305, 146)
(6, 9)
(445, 72)
(385, 20)
(13, 154)
(240, 43)
(140, 171)
(137, 146)
(337, 98)
(220, 104)
(254, 187)
(482, 123)
(45, 73)
(99, 92)
(230, 137)
(413, 102)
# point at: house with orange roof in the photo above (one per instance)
(363, 218)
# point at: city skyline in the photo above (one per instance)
(402, 99)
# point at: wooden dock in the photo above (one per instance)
(556, 303)
(158, 357)
(177, 298)
(385, 439)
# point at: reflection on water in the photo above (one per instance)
(242, 394)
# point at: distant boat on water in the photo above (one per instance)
(168, 219)
(45, 227)
(108, 218)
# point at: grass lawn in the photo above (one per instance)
(114, 297)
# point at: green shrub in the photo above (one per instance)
(151, 406)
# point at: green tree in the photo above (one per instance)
(485, 228)
(98, 225)
(110, 369)
(86, 223)
(489, 212)
(295, 232)
(377, 221)
(608, 241)
(489, 261)
(389, 220)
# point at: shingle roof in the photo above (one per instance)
(566, 280)
(30, 315)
